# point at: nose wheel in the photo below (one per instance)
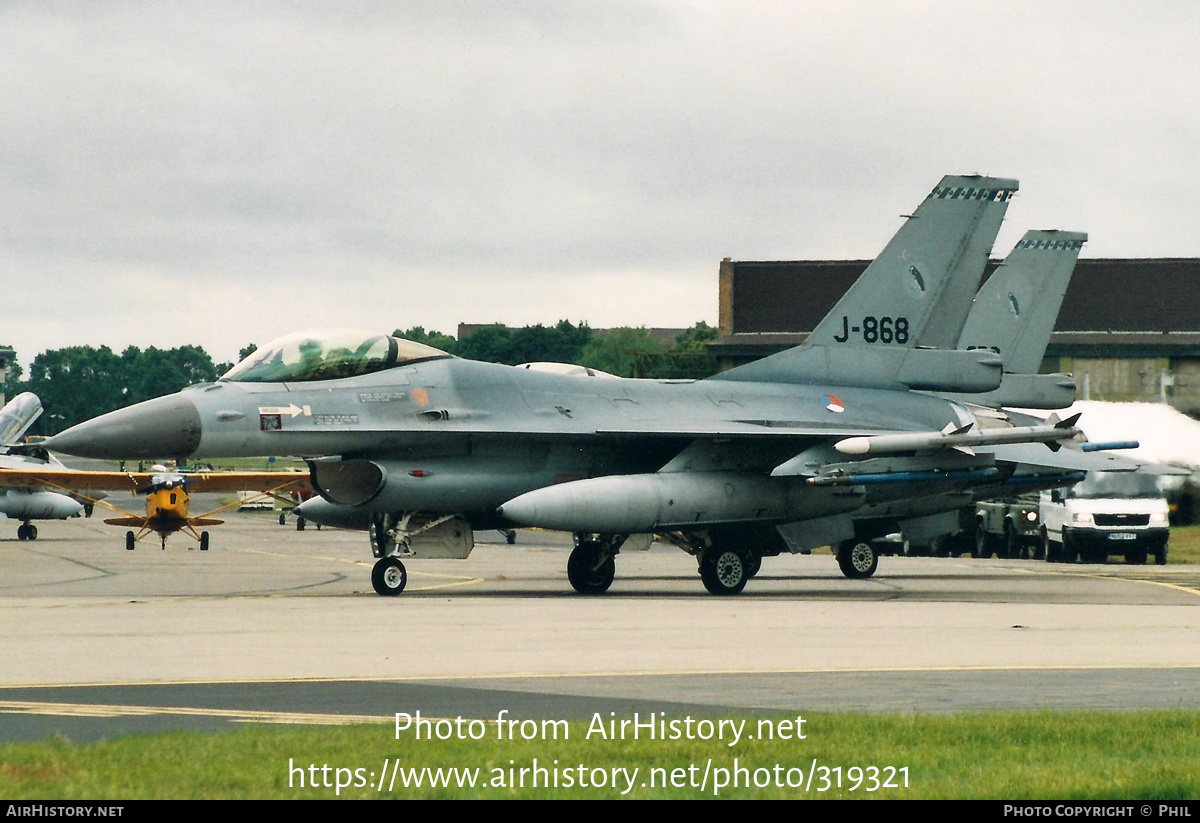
(389, 577)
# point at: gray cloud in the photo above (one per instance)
(176, 173)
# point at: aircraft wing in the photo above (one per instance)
(86, 481)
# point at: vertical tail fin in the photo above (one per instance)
(925, 277)
(917, 292)
(1015, 311)
(17, 416)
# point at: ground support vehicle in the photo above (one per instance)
(1108, 513)
(1008, 529)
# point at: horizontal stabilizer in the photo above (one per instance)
(1033, 459)
(1026, 391)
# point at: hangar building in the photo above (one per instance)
(1129, 329)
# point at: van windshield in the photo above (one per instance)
(1116, 485)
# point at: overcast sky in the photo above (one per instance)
(218, 174)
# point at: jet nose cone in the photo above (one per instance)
(166, 427)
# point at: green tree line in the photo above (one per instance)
(623, 351)
(78, 383)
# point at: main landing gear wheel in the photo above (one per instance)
(857, 559)
(588, 573)
(723, 571)
(753, 565)
(27, 531)
(130, 539)
(389, 577)
(203, 541)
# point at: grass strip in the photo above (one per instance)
(1145, 755)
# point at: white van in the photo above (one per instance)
(1107, 513)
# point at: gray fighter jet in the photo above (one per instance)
(31, 502)
(1013, 315)
(759, 460)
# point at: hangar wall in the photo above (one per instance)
(1129, 329)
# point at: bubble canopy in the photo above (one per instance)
(328, 355)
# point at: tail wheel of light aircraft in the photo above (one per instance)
(857, 558)
(723, 571)
(590, 569)
(389, 577)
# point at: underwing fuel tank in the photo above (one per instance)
(648, 502)
(38, 505)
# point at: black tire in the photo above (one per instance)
(723, 571)
(130, 539)
(203, 541)
(283, 519)
(21, 535)
(1136, 557)
(1037, 551)
(31, 531)
(299, 523)
(1160, 556)
(389, 577)
(588, 575)
(1014, 549)
(857, 559)
(960, 544)
(983, 543)
(1069, 552)
(753, 564)
(510, 536)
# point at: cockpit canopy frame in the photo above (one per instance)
(329, 354)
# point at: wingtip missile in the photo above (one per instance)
(959, 438)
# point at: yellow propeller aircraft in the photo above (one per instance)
(168, 494)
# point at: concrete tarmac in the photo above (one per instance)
(276, 625)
